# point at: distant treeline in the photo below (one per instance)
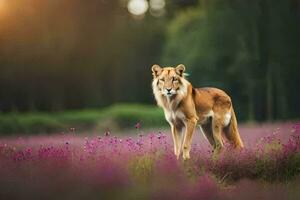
(57, 55)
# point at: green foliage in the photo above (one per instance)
(141, 168)
(271, 169)
(245, 47)
(126, 115)
(123, 116)
(80, 118)
(29, 123)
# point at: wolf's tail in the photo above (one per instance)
(232, 132)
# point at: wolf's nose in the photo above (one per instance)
(169, 90)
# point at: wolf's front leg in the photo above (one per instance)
(176, 140)
(190, 127)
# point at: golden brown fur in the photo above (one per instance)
(185, 107)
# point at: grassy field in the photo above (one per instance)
(142, 166)
(117, 117)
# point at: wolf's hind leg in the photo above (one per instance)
(208, 133)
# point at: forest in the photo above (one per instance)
(68, 54)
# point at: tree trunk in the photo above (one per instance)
(269, 93)
(251, 114)
(281, 94)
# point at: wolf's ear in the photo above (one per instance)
(180, 69)
(156, 70)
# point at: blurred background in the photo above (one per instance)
(87, 64)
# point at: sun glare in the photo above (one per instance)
(138, 7)
(157, 4)
(3, 9)
(157, 7)
(1, 3)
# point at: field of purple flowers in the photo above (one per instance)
(108, 166)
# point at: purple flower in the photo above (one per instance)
(137, 125)
(107, 133)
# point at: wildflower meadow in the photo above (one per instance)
(142, 166)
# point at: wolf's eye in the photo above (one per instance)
(162, 79)
(174, 79)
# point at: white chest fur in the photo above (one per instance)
(172, 116)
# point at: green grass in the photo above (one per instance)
(116, 117)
